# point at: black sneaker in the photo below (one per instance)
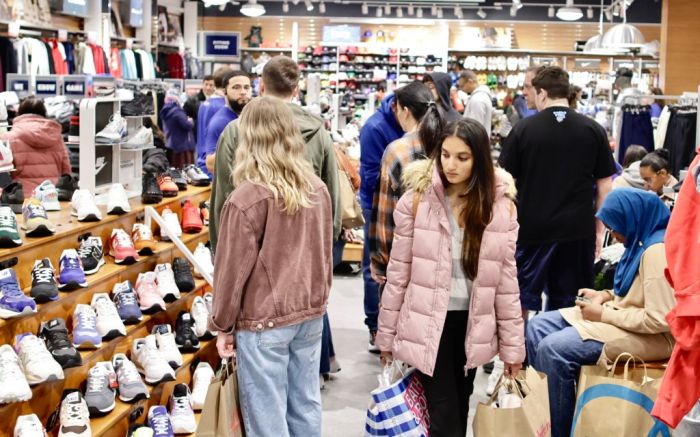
(371, 346)
(66, 185)
(91, 254)
(488, 368)
(150, 192)
(183, 275)
(177, 177)
(13, 195)
(55, 336)
(142, 104)
(185, 338)
(44, 284)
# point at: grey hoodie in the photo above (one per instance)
(479, 107)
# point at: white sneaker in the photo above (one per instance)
(84, 207)
(166, 283)
(201, 317)
(203, 256)
(142, 139)
(47, 194)
(202, 378)
(114, 132)
(167, 346)
(181, 413)
(495, 376)
(13, 384)
(209, 301)
(117, 200)
(173, 223)
(75, 418)
(6, 160)
(150, 362)
(109, 324)
(29, 426)
(38, 363)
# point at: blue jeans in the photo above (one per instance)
(327, 349)
(371, 287)
(278, 380)
(554, 347)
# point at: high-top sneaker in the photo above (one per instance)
(150, 190)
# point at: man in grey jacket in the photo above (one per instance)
(479, 105)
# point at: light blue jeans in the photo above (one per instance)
(278, 380)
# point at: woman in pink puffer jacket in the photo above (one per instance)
(452, 299)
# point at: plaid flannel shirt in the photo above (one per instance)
(389, 190)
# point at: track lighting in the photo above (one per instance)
(481, 14)
(458, 12)
(322, 7)
(513, 11)
(589, 13)
(309, 5)
(387, 9)
(379, 12)
(608, 15)
(419, 12)
(550, 12)
(517, 4)
(285, 7)
(439, 13)
(433, 10)
(399, 12)
(365, 9)
(410, 9)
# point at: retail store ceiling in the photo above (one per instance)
(640, 11)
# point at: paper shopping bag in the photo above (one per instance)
(221, 414)
(531, 419)
(618, 405)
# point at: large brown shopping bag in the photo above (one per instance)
(221, 415)
(531, 419)
(618, 405)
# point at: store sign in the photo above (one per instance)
(75, 7)
(103, 86)
(19, 83)
(46, 86)
(135, 13)
(175, 83)
(75, 86)
(220, 45)
(342, 34)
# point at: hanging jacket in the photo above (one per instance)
(443, 83)
(414, 302)
(179, 131)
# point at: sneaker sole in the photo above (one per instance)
(74, 361)
(40, 231)
(9, 242)
(151, 198)
(112, 334)
(101, 411)
(132, 320)
(96, 269)
(138, 397)
(169, 193)
(7, 314)
(192, 229)
(170, 298)
(189, 429)
(181, 186)
(188, 347)
(72, 285)
(125, 260)
(185, 287)
(118, 210)
(152, 309)
(44, 298)
(146, 251)
(199, 183)
(51, 378)
(87, 345)
(164, 378)
(87, 218)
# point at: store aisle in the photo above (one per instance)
(346, 395)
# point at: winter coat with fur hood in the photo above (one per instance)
(415, 299)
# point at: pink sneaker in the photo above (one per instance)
(122, 248)
(149, 299)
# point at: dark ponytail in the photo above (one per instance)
(430, 131)
(419, 100)
(658, 160)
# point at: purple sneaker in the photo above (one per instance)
(72, 275)
(85, 334)
(13, 302)
(159, 421)
(126, 302)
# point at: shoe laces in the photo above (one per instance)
(127, 298)
(144, 233)
(128, 372)
(74, 413)
(96, 381)
(10, 288)
(123, 239)
(86, 319)
(181, 404)
(58, 338)
(10, 369)
(70, 262)
(85, 250)
(105, 308)
(32, 349)
(7, 221)
(43, 274)
(161, 424)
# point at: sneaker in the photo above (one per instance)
(372, 347)
(100, 394)
(13, 195)
(181, 413)
(9, 235)
(37, 362)
(191, 218)
(166, 345)
(36, 222)
(177, 177)
(47, 194)
(117, 200)
(150, 362)
(495, 376)
(44, 283)
(84, 207)
(195, 176)
(201, 318)
(75, 416)
(203, 256)
(141, 104)
(74, 129)
(66, 186)
(150, 190)
(141, 139)
(165, 278)
(147, 290)
(91, 254)
(109, 325)
(131, 386)
(202, 379)
(173, 223)
(183, 275)
(185, 335)
(167, 186)
(204, 210)
(72, 275)
(13, 302)
(55, 336)
(159, 421)
(122, 248)
(29, 426)
(13, 384)
(139, 430)
(209, 301)
(6, 159)
(85, 334)
(126, 302)
(143, 239)
(114, 132)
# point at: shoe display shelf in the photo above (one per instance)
(46, 397)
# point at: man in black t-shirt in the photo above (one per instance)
(558, 158)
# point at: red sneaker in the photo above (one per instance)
(167, 186)
(191, 220)
(122, 248)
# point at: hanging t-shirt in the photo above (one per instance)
(556, 156)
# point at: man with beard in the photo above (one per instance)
(238, 93)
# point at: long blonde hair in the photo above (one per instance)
(271, 154)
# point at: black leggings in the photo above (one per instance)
(447, 391)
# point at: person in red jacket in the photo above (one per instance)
(37, 146)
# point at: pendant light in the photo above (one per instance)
(623, 36)
(569, 12)
(252, 9)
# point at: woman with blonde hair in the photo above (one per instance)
(274, 225)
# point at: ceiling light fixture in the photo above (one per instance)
(322, 7)
(410, 9)
(439, 13)
(309, 5)
(569, 12)
(433, 10)
(419, 13)
(387, 9)
(252, 9)
(481, 14)
(379, 12)
(513, 11)
(399, 12)
(517, 4)
(551, 12)
(208, 3)
(589, 13)
(285, 7)
(608, 15)
(365, 9)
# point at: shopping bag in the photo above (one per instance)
(398, 406)
(221, 415)
(531, 419)
(618, 405)
(349, 205)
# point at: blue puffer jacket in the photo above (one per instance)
(179, 131)
(377, 133)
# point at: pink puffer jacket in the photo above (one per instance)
(414, 301)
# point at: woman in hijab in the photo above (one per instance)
(630, 318)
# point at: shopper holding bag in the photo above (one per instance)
(272, 284)
(451, 300)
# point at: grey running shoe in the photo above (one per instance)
(131, 386)
(100, 392)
